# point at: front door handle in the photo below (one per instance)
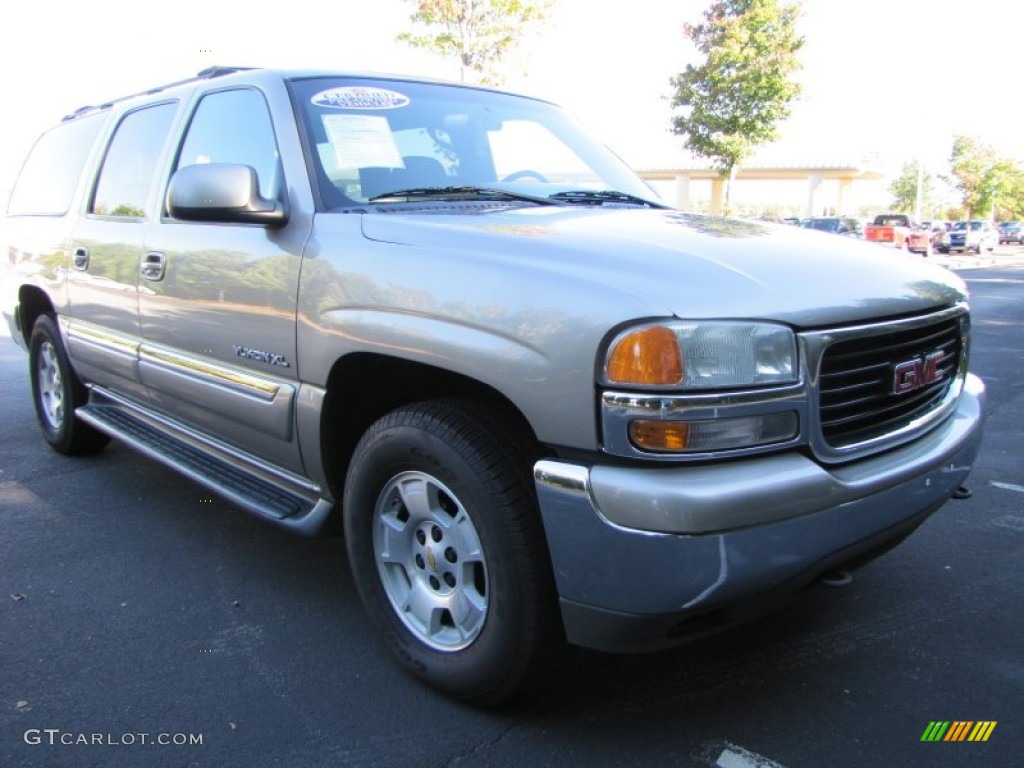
(153, 266)
(80, 258)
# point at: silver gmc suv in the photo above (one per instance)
(542, 406)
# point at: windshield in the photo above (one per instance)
(828, 225)
(369, 138)
(960, 226)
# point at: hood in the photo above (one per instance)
(682, 264)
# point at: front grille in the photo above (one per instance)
(859, 376)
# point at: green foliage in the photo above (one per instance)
(974, 174)
(1009, 191)
(904, 190)
(734, 100)
(479, 33)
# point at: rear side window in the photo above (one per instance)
(129, 168)
(234, 127)
(49, 177)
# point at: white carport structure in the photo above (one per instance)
(814, 176)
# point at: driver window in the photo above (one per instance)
(234, 127)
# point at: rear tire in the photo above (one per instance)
(447, 549)
(57, 392)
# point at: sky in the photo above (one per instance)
(890, 79)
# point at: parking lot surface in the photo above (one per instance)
(138, 613)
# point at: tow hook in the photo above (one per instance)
(963, 492)
(837, 577)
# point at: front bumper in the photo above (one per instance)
(644, 558)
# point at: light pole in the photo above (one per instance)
(920, 193)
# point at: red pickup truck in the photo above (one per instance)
(892, 229)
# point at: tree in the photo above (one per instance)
(904, 189)
(479, 33)
(734, 100)
(974, 173)
(1009, 190)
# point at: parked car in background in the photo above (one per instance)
(1011, 232)
(891, 229)
(975, 235)
(839, 225)
(926, 238)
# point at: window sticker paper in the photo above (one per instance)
(361, 141)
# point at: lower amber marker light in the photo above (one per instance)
(678, 436)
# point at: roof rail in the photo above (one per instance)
(205, 74)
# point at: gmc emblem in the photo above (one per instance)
(917, 373)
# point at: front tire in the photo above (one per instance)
(447, 549)
(57, 392)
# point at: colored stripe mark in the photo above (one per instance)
(958, 731)
(982, 730)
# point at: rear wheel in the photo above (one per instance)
(447, 549)
(57, 392)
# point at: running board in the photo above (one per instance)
(273, 501)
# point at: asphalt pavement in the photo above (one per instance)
(145, 623)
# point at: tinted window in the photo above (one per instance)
(826, 225)
(892, 221)
(234, 127)
(50, 175)
(128, 169)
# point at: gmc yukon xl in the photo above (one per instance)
(541, 406)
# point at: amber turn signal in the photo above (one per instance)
(660, 435)
(649, 356)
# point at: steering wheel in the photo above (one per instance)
(526, 173)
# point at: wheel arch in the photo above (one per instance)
(362, 387)
(32, 302)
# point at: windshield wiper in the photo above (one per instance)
(459, 193)
(602, 196)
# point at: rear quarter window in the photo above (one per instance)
(49, 177)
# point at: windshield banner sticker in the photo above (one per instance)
(354, 97)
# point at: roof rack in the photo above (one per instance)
(205, 74)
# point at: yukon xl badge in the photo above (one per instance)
(272, 358)
(919, 372)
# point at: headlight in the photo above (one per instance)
(717, 354)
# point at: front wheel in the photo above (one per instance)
(447, 549)
(57, 392)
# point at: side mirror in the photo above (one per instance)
(222, 192)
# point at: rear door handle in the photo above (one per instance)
(80, 258)
(153, 266)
